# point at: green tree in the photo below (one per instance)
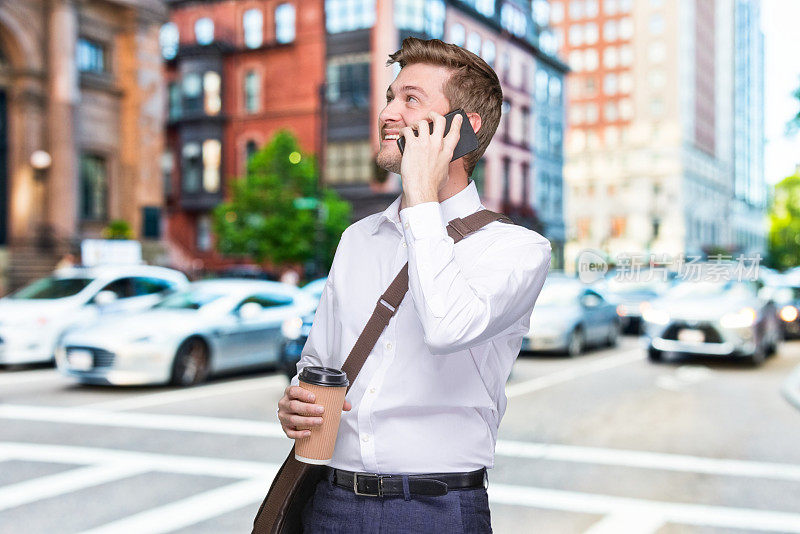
(261, 220)
(784, 227)
(118, 229)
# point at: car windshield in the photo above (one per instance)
(782, 295)
(708, 288)
(188, 300)
(52, 288)
(558, 294)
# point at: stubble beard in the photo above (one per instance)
(389, 159)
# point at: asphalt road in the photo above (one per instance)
(603, 443)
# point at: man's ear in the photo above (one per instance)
(475, 121)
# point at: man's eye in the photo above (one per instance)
(408, 98)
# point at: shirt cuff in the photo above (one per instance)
(423, 221)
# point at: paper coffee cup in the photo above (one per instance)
(329, 387)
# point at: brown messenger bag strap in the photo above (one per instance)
(388, 303)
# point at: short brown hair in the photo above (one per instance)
(473, 85)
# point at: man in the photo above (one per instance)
(429, 399)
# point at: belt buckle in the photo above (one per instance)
(380, 486)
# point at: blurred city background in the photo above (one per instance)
(175, 178)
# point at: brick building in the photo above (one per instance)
(80, 86)
(237, 72)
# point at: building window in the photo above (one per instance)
(576, 35)
(591, 33)
(474, 43)
(626, 28)
(212, 156)
(513, 19)
(457, 34)
(610, 84)
(506, 179)
(349, 162)
(525, 200)
(591, 9)
(348, 15)
(203, 235)
(191, 167)
(555, 90)
(167, 166)
(610, 7)
(610, 30)
(250, 150)
(489, 52)
(541, 12)
(541, 85)
(625, 55)
(94, 188)
(590, 59)
(204, 31)
(410, 14)
(252, 91)
(485, 7)
(556, 12)
(192, 93)
(168, 39)
(284, 23)
(656, 24)
(434, 18)
(253, 23)
(617, 226)
(526, 124)
(625, 82)
(576, 60)
(151, 222)
(610, 57)
(348, 81)
(91, 56)
(576, 10)
(212, 101)
(174, 100)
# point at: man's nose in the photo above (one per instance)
(390, 113)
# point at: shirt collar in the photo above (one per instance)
(463, 203)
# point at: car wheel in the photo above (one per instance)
(613, 334)
(654, 355)
(575, 343)
(191, 363)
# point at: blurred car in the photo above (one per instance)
(787, 304)
(569, 316)
(33, 318)
(629, 293)
(296, 331)
(726, 318)
(211, 327)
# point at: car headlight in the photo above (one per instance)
(788, 313)
(739, 319)
(292, 328)
(655, 316)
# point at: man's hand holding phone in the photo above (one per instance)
(427, 156)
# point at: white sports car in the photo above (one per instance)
(211, 327)
(33, 318)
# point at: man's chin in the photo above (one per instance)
(389, 162)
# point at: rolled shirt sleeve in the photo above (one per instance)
(461, 306)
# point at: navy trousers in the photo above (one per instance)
(335, 510)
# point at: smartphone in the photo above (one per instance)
(466, 143)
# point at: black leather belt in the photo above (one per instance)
(433, 484)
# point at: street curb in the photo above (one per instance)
(791, 388)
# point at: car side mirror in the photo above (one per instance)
(105, 298)
(250, 310)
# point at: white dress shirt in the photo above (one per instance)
(430, 397)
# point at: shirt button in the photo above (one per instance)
(406, 225)
(404, 244)
(388, 346)
(365, 439)
(372, 390)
